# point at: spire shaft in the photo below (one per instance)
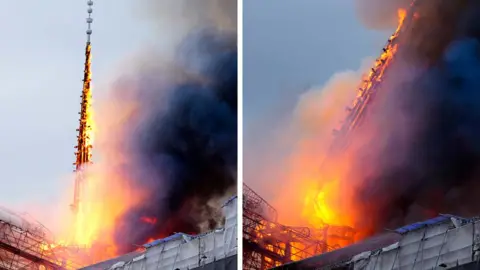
(83, 155)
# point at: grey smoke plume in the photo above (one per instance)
(380, 14)
(183, 144)
(176, 141)
(173, 20)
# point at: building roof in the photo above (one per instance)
(381, 242)
(347, 253)
(422, 224)
(123, 258)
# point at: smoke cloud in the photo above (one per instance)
(380, 14)
(184, 151)
(166, 140)
(422, 154)
(173, 20)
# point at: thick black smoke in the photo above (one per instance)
(184, 153)
(426, 148)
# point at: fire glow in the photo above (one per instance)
(328, 195)
(101, 194)
(150, 220)
(106, 194)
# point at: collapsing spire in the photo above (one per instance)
(85, 130)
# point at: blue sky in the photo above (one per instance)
(289, 47)
(42, 52)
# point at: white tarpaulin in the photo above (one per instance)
(444, 245)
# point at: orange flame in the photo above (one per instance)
(84, 155)
(106, 195)
(328, 195)
(101, 192)
(150, 240)
(402, 14)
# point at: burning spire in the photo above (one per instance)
(85, 130)
(368, 87)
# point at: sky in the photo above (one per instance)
(42, 59)
(290, 47)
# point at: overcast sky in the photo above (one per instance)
(42, 56)
(289, 47)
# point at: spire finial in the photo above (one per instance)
(89, 19)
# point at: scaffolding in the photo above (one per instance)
(26, 245)
(267, 243)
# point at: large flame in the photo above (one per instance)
(101, 194)
(328, 194)
(86, 137)
(83, 154)
(105, 192)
